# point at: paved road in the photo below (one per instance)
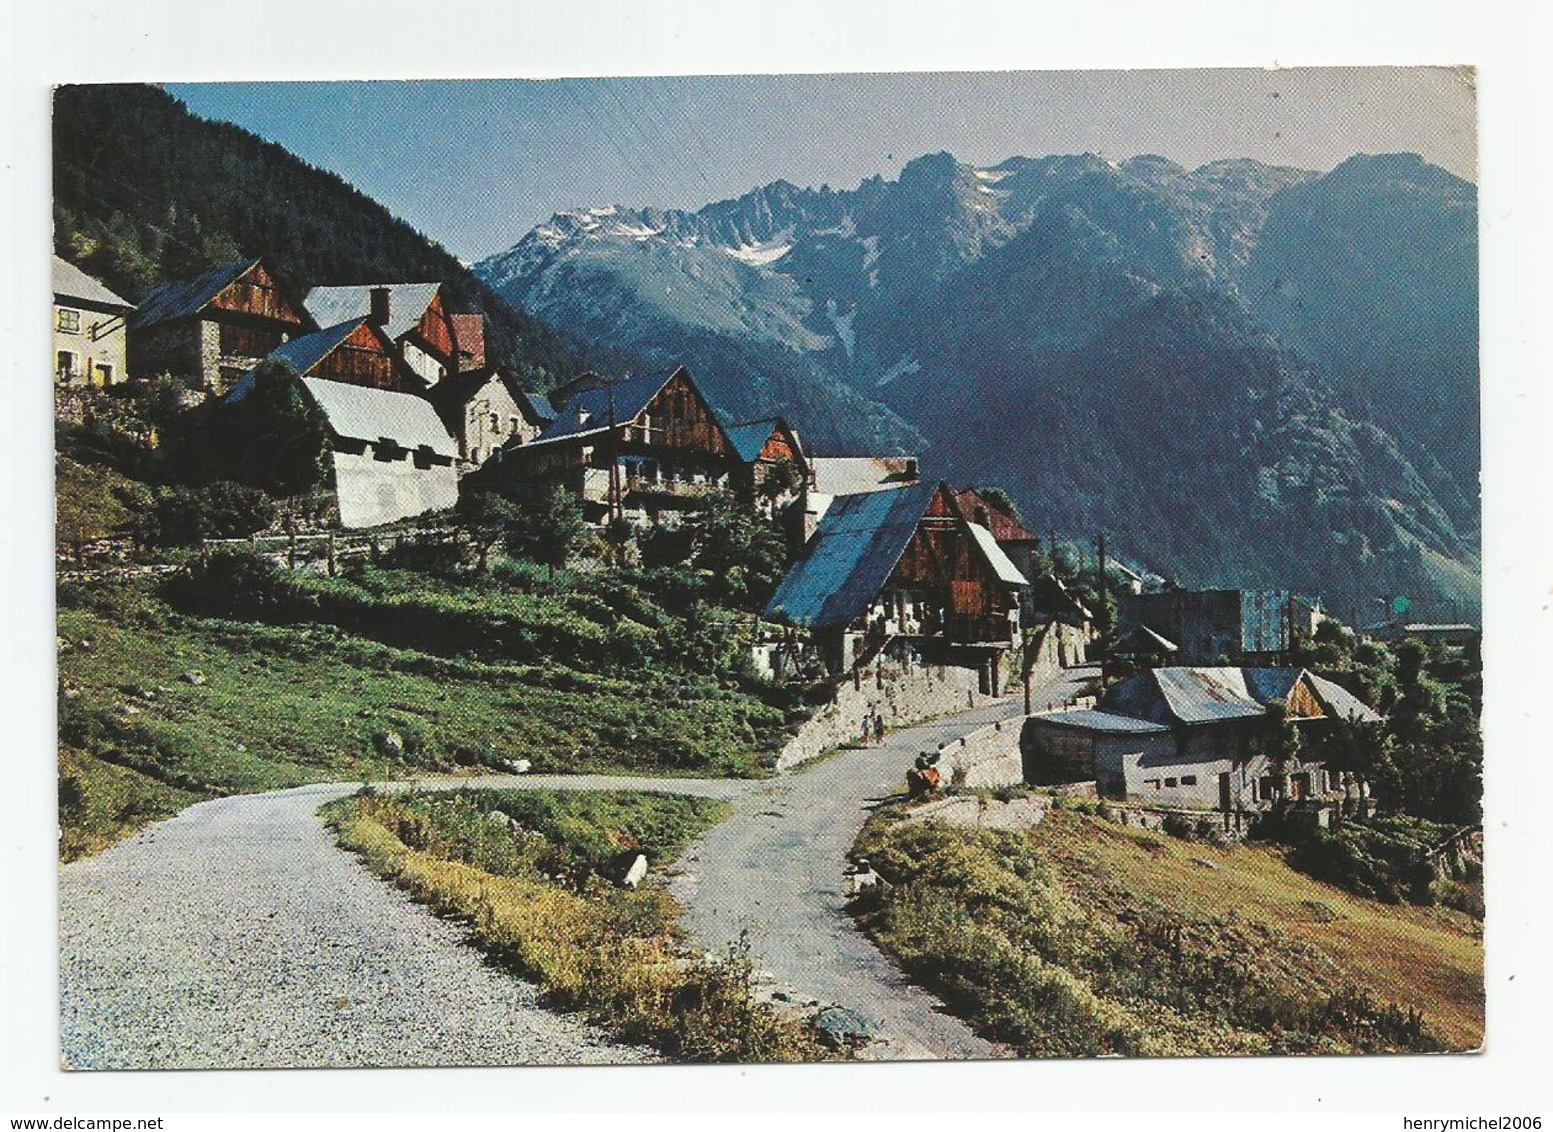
(774, 870)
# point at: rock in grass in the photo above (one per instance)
(193, 676)
(637, 871)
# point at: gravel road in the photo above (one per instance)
(774, 870)
(236, 935)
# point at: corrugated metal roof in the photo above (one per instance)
(1339, 701)
(750, 438)
(188, 297)
(70, 282)
(850, 557)
(360, 413)
(1089, 720)
(407, 302)
(1001, 565)
(1206, 695)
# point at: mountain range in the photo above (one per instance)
(1244, 374)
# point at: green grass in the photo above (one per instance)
(284, 705)
(535, 900)
(1080, 937)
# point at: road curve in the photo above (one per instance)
(236, 935)
(774, 870)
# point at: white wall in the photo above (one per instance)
(372, 491)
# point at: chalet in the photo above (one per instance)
(469, 337)
(413, 316)
(355, 352)
(211, 330)
(392, 458)
(1018, 542)
(1194, 738)
(904, 566)
(89, 323)
(644, 449)
(1214, 626)
(484, 412)
(771, 470)
(833, 476)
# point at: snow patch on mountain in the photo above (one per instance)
(843, 325)
(765, 252)
(903, 368)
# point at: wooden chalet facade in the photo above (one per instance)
(413, 316)
(772, 470)
(644, 450)
(211, 330)
(904, 567)
(1193, 738)
(354, 353)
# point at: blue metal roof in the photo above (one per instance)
(544, 412)
(1269, 684)
(176, 300)
(589, 410)
(749, 439)
(850, 557)
(303, 353)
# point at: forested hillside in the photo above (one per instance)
(144, 192)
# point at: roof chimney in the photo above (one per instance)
(378, 313)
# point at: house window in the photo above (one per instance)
(1188, 780)
(474, 455)
(67, 321)
(512, 424)
(496, 422)
(1151, 783)
(104, 373)
(1170, 782)
(64, 365)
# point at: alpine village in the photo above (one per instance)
(730, 730)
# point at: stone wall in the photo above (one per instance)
(903, 699)
(986, 757)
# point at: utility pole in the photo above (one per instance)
(615, 509)
(1103, 611)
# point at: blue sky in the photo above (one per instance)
(475, 164)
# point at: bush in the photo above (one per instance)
(1383, 859)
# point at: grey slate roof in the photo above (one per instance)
(360, 413)
(1150, 639)
(1001, 564)
(1213, 695)
(188, 297)
(407, 302)
(850, 557)
(71, 283)
(1089, 720)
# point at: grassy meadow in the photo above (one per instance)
(160, 708)
(537, 891)
(1081, 937)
